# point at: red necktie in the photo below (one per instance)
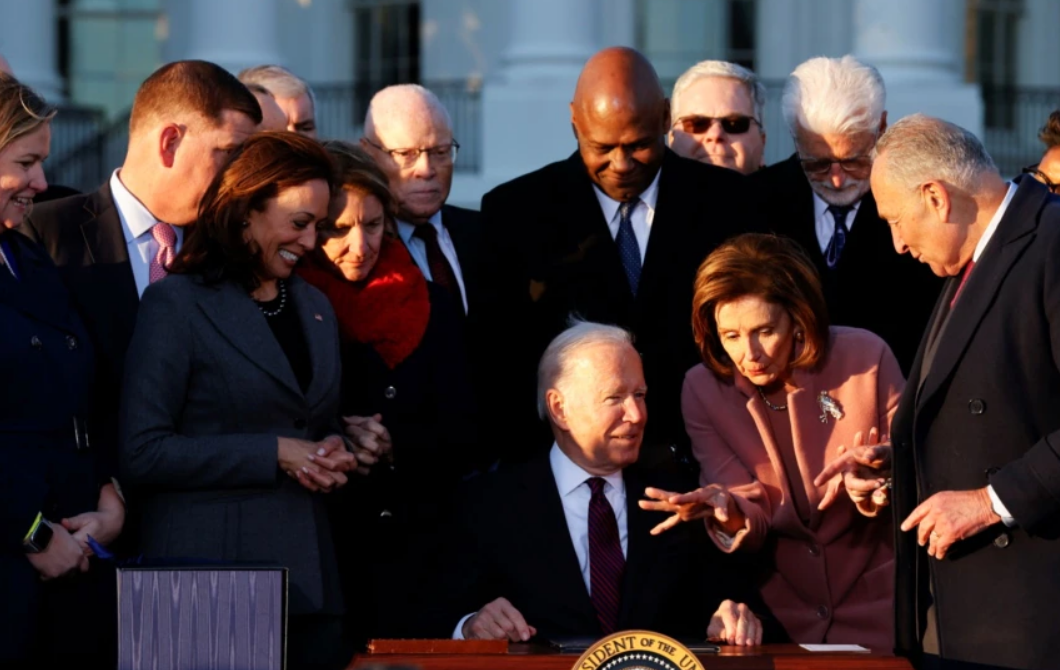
(441, 272)
(607, 565)
(964, 279)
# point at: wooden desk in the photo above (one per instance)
(531, 657)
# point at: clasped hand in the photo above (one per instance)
(863, 471)
(318, 466)
(370, 440)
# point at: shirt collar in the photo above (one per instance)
(991, 227)
(649, 197)
(135, 216)
(406, 229)
(820, 208)
(569, 475)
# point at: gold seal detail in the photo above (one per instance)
(637, 650)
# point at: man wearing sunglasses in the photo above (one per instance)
(834, 109)
(613, 233)
(716, 116)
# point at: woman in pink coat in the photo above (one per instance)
(779, 396)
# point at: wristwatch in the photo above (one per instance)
(38, 537)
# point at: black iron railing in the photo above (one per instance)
(1014, 115)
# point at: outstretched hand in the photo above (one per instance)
(863, 471)
(712, 501)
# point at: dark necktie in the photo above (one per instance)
(628, 249)
(441, 272)
(964, 280)
(607, 565)
(839, 237)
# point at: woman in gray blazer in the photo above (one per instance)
(233, 381)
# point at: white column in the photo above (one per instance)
(918, 48)
(28, 41)
(526, 112)
(234, 33)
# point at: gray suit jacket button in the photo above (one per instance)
(390, 393)
(976, 406)
(1001, 541)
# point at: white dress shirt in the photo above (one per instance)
(991, 228)
(641, 218)
(574, 494)
(825, 222)
(136, 224)
(418, 249)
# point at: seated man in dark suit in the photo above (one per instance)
(835, 111)
(557, 546)
(614, 233)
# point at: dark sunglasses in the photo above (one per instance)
(737, 124)
(1040, 176)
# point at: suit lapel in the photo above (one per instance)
(808, 435)
(639, 550)
(319, 337)
(1014, 233)
(236, 317)
(37, 293)
(590, 235)
(105, 247)
(543, 515)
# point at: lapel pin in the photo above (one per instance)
(318, 317)
(829, 406)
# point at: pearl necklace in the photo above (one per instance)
(283, 301)
(775, 408)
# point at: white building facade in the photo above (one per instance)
(507, 68)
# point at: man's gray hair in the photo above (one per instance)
(562, 349)
(385, 96)
(721, 68)
(278, 81)
(921, 148)
(834, 96)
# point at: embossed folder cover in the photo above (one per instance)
(206, 618)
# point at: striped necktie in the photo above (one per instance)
(607, 565)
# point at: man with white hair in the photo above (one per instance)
(835, 110)
(976, 436)
(409, 133)
(716, 116)
(558, 546)
(291, 93)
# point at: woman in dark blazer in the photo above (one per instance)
(233, 382)
(55, 491)
(403, 362)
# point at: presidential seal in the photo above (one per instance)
(637, 650)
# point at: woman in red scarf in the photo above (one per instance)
(403, 358)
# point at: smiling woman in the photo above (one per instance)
(56, 490)
(247, 390)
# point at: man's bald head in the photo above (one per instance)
(620, 115)
(402, 121)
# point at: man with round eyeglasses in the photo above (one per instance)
(409, 134)
(835, 111)
(716, 116)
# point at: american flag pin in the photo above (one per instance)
(318, 317)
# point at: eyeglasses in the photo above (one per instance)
(443, 154)
(736, 124)
(855, 166)
(1041, 176)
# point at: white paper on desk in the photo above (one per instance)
(833, 647)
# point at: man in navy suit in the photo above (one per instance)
(558, 546)
(976, 437)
